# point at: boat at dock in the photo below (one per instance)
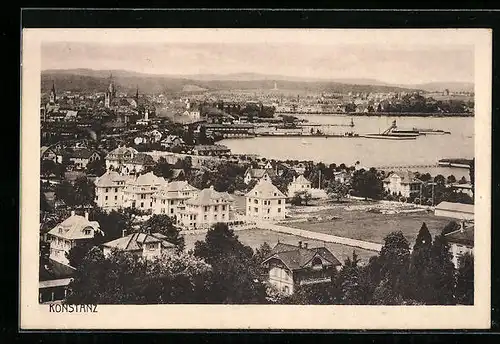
(392, 133)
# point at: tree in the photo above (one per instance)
(451, 179)
(112, 224)
(440, 180)
(235, 273)
(462, 180)
(164, 224)
(394, 259)
(337, 190)
(261, 253)
(465, 279)
(96, 167)
(367, 184)
(442, 273)
(66, 193)
(162, 168)
(48, 167)
(419, 283)
(301, 197)
(352, 282)
(77, 253)
(123, 278)
(84, 191)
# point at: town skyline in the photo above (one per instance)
(394, 65)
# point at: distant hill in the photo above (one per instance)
(126, 81)
(441, 86)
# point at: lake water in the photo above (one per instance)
(371, 152)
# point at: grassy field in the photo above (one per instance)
(255, 237)
(367, 226)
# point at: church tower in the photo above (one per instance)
(137, 96)
(53, 97)
(110, 92)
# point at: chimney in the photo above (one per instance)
(124, 233)
(72, 213)
(300, 244)
(305, 245)
(86, 215)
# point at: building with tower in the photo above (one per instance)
(110, 93)
(53, 96)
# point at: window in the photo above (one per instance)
(143, 196)
(96, 198)
(87, 231)
(215, 217)
(60, 230)
(205, 217)
(268, 211)
(116, 198)
(106, 190)
(142, 204)
(279, 201)
(205, 208)
(223, 207)
(171, 210)
(151, 246)
(256, 210)
(116, 189)
(216, 208)
(172, 202)
(279, 210)
(106, 198)
(249, 208)
(150, 204)
(223, 216)
(256, 201)
(286, 289)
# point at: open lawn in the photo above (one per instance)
(255, 237)
(368, 226)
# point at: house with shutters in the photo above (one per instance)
(404, 183)
(145, 245)
(290, 266)
(118, 157)
(75, 230)
(299, 184)
(265, 202)
(138, 191)
(171, 197)
(82, 157)
(256, 174)
(109, 188)
(206, 209)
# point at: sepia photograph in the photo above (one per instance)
(290, 168)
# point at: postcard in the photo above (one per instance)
(255, 179)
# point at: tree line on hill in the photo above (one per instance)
(222, 270)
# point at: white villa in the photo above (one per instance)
(265, 202)
(207, 208)
(73, 231)
(171, 197)
(299, 184)
(404, 183)
(138, 191)
(109, 190)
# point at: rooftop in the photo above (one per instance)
(73, 228)
(406, 177)
(209, 196)
(110, 178)
(296, 257)
(458, 207)
(135, 241)
(265, 189)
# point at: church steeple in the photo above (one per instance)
(53, 93)
(137, 94)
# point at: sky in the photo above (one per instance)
(394, 64)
